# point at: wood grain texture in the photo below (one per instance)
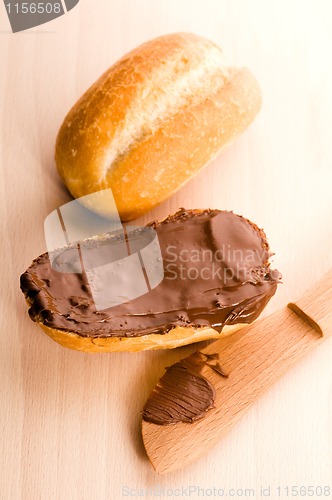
(70, 425)
(253, 358)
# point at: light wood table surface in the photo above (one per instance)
(70, 422)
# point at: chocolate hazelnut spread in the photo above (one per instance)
(216, 272)
(181, 395)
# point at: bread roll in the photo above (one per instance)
(153, 120)
(216, 276)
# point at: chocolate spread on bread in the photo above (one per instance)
(216, 273)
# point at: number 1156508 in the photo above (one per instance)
(34, 8)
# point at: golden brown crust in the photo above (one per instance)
(153, 120)
(178, 336)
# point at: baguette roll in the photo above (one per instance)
(216, 277)
(154, 120)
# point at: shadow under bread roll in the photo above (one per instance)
(154, 120)
(216, 276)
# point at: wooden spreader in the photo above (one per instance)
(254, 357)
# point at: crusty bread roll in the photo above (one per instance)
(216, 276)
(177, 337)
(153, 120)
